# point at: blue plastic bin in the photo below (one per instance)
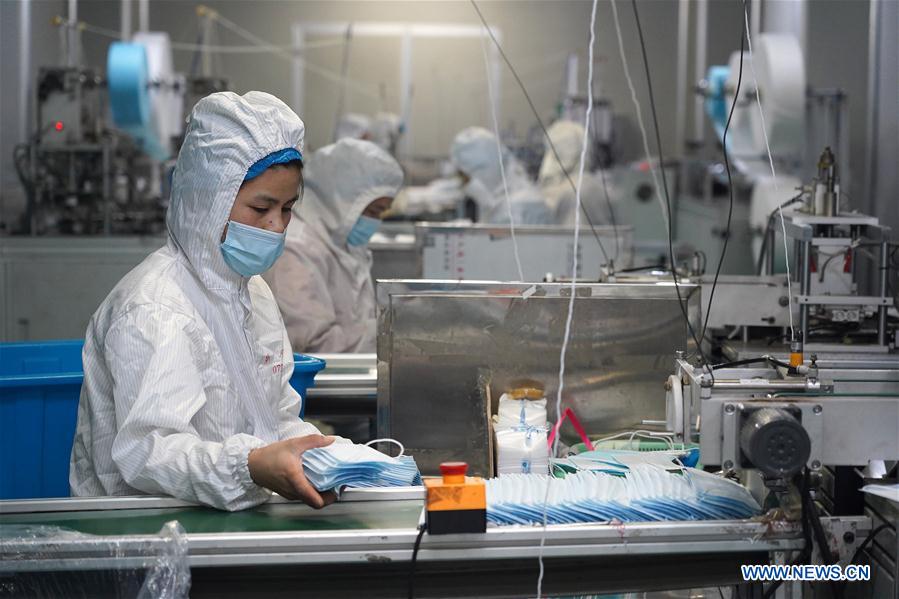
(39, 388)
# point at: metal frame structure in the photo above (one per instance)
(812, 231)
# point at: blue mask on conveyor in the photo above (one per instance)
(644, 492)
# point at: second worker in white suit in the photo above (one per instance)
(476, 156)
(323, 281)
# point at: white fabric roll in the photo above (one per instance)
(521, 412)
(523, 450)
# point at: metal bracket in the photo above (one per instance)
(813, 423)
(730, 432)
(844, 300)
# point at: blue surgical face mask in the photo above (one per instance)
(362, 231)
(250, 250)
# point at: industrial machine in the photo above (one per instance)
(101, 155)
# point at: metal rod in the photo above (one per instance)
(24, 68)
(699, 69)
(772, 249)
(107, 200)
(683, 41)
(882, 311)
(755, 18)
(72, 35)
(805, 270)
(873, 111)
(143, 15)
(125, 20)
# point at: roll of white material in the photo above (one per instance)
(520, 412)
(522, 450)
(767, 195)
(166, 106)
(779, 68)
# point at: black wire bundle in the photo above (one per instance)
(415, 548)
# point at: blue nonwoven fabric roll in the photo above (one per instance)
(128, 77)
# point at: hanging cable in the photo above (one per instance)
(573, 289)
(344, 69)
(639, 112)
(730, 182)
(783, 226)
(549, 141)
(658, 137)
(499, 153)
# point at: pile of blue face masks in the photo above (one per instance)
(347, 465)
(645, 492)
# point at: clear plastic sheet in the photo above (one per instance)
(49, 561)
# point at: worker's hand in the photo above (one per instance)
(279, 467)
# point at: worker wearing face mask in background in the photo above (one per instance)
(323, 281)
(568, 137)
(186, 363)
(475, 154)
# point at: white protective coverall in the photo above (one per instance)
(323, 285)
(568, 137)
(474, 152)
(186, 363)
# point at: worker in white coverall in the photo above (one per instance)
(559, 175)
(477, 158)
(187, 363)
(323, 281)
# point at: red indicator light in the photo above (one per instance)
(59, 126)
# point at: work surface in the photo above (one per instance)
(367, 539)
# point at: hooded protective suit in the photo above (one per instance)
(322, 284)
(568, 138)
(474, 152)
(186, 363)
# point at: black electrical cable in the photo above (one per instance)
(748, 361)
(655, 120)
(868, 540)
(642, 268)
(730, 183)
(415, 548)
(552, 146)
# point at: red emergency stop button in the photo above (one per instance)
(453, 472)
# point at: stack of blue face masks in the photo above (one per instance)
(346, 465)
(645, 492)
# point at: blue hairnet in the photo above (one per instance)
(280, 157)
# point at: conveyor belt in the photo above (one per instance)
(365, 541)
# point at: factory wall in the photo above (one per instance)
(44, 51)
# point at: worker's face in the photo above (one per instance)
(266, 201)
(377, 208)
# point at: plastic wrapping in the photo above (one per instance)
(50, 561)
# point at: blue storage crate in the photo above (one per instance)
(39, 388)
(304, 370)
